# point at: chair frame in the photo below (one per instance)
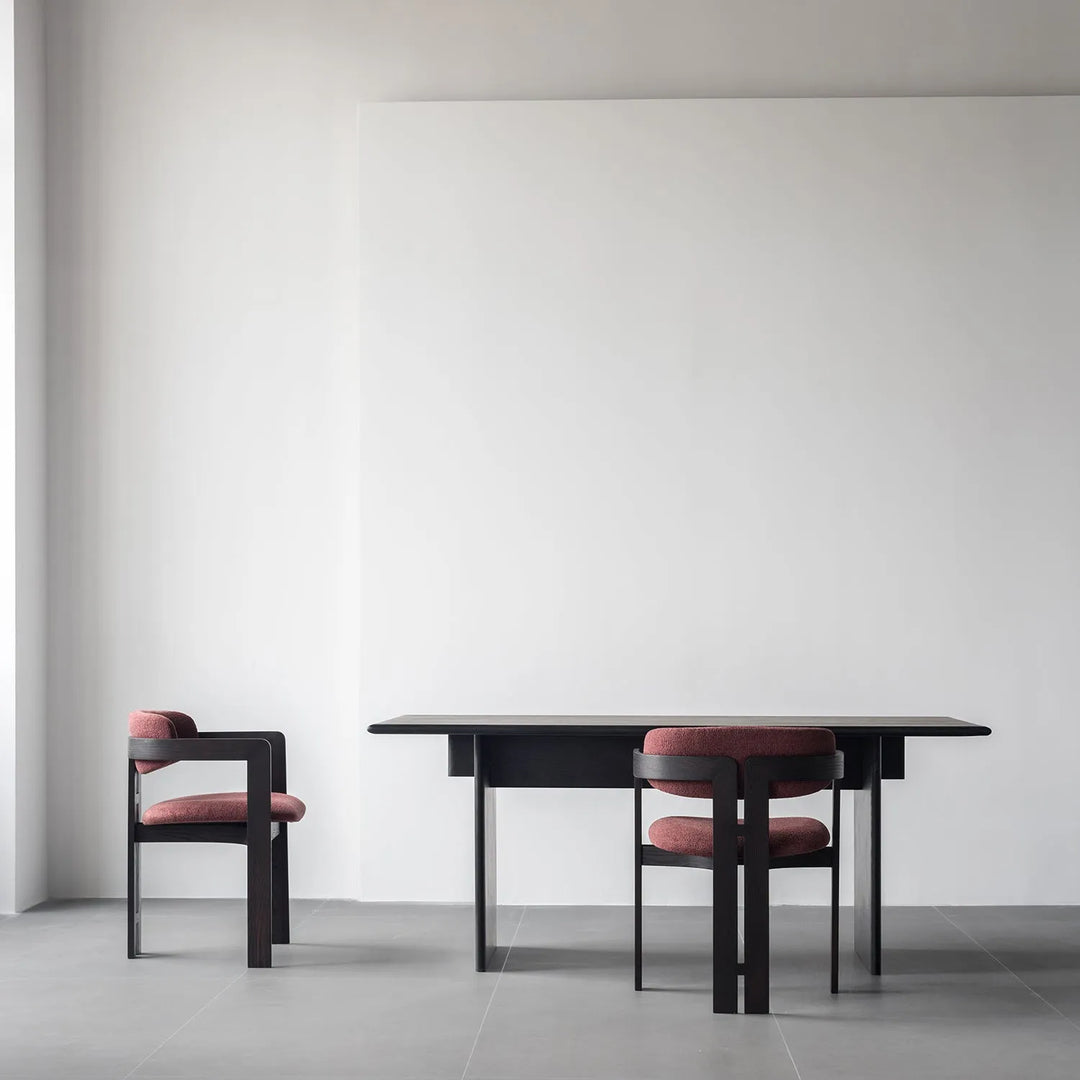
(759, 773)
(267, 841)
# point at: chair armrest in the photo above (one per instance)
(758, 768)
(226, 749)
(796, 767)
(680, 766)
(276, 739)
(253, 749)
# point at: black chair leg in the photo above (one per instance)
(259, 900)
(637, 886)
(134, 900)
(725, 934)
(756, 982)
(280, 885)
(134, 865)
(834, 977)
(637, 925)
(725, 893)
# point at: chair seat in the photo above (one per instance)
(693, 835)
(219, 806)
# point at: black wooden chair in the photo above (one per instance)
(258, 817)
(725, 764)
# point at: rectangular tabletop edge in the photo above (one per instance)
(634, 725)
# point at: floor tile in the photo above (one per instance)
(59, 1027)
(945, 1048)
(94, 910)
(943, 1008)
(1039, 946)
(547, 1025)
(387, 991)
(183, 939)
(566, 1007)
(360, 1026)
(386, 939)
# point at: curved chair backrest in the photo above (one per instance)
(159, 724)
(740, 743)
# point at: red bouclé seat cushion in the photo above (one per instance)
(693, 835)
(219, 806)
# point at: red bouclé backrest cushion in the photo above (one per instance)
(740, 743)
(159, 724)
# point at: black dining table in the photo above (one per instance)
(597, 751)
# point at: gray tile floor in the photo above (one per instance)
(386, 991)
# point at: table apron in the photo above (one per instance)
(542, 760)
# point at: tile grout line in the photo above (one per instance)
(1005, 967)
(206, 1005)
(313, 911)
(197, 1012)
(506, 959)
(783, 1038)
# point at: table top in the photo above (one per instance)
(636, 725)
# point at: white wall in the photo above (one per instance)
(727, 406)
(8, 726)
(30, 512)
(202, 340)
(22, 550)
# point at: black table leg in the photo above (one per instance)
(868, 858)
(484, 839)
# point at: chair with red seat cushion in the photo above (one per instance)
(258, 818)
(725, 764)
